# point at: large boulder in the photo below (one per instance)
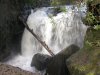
(87, 60)
(40, 61)
(57, 65)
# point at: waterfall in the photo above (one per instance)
(57, 31)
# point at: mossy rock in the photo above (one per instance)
(87, 60)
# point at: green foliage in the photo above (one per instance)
(92, 39)
(81, 68)
(88, 45)
(62, 9)
(58, 2)
(55, 3)
(90, 19)
(97, 27)
(92, 16)
(91, 73)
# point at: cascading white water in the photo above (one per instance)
(57, 31)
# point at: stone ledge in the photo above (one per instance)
(10, 70)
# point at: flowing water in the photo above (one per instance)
(57, 31)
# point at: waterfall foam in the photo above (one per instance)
(57, 31)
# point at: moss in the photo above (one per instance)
(87, 60)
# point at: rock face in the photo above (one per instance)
(10, 70)
(57, 65)
(10, 27)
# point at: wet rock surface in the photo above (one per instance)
(40, 61)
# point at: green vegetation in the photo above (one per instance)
(93, 20)
(87, 60)
(58, 2)
(59, 5)
(90, 19)
(93, 13)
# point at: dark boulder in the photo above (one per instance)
(40, 61)
(57, 65)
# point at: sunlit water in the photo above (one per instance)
(57, 31)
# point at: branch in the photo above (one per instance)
(39, 40)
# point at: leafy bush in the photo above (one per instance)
(93, 12)
(90, 19)
(97, 27)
